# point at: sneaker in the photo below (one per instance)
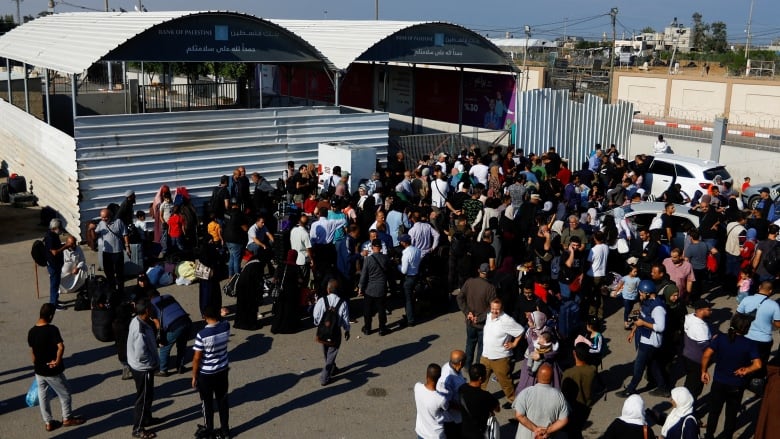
(163, 374)
(60, 307)
(126, 374)
(623, 393)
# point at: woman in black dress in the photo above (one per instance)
(287, 307)
(249, 293)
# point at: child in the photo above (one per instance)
(215, 230)
(176, 228)
(627, 288)
(744, 284)
(166, 210)
(542, 345)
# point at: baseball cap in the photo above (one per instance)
(764, 189)
(376, 243)
(701, 303)
(405, 238)
(484, 268)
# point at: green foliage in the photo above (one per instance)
(698, 32)
(588, 44)
(718, 38)
(648, 30)
(7, 23)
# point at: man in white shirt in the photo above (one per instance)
(660, 146)
(439, 190)
(300, 242)
(500, 336)
(431, 406)
(450, 381)
(480, 172)
(696, 339)
(597, 259)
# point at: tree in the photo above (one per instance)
(699, 32)
(648, 30)
(7, 23)
(718, 38)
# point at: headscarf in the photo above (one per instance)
(633, 410)
(751, 234)
(539, 320)
(594, 219)
(684, 401)
(619, 214)
(557, 227)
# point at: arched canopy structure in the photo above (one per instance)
(72, 42)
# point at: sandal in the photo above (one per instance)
(144, 434)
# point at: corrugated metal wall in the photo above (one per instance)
(193, 149)
(549, 118)
(46, 157)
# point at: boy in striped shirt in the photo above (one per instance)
(210, 373)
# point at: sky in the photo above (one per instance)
(549, 19)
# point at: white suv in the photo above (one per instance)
(692, 174)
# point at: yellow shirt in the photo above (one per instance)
(215, 231)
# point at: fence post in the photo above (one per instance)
(719, 131)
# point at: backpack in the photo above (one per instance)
(38, 252)
(752, 314)
(771, 260)
(217, 201)
(329, 329)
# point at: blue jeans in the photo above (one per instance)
(164, 238)
(55, 277)
(628, 305)
(409, 284)
(178, 336)
(234, 262)
(565, 290)
(473, 340)
(59, 384)
(646, 357)
(733, 264)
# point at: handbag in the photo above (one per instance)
(203, 271)
(32, 394)
(276, 291)
(493, 430)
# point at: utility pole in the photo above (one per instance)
(750, 22)
(376, 10)
(613, 14)
(527, 29)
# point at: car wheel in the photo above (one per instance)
(753, 201)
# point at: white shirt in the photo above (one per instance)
(480, 172)
(439, 189)
(495, 332)
(598, 260)
(696, 329)
(448, 385)
(300, 242)
(660, 147)
(431, 406)
(410, 261)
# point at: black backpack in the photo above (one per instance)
(329, 329)
(38, 252)
(771, 260)
(217, 201)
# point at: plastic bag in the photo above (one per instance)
(32, 394)
(186, 270)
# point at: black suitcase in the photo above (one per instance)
(17, 184)
(102, 319)
(97, 288)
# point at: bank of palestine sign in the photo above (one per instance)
(436, 43)
(217, 38)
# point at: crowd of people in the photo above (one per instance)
(533, 253)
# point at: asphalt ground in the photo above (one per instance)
(274, 382)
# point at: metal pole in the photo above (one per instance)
(143, 89)
(8, 83)
(46, 96)
(336, 81)
(525, 55)
(26, 90)
(460, 103)
(376, 10)
(613, 14)
(124, 85)
(413, 99)
(73, 80)
(260, 84)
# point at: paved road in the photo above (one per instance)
(274, 384)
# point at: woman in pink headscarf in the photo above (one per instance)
(537, 325)
(154, 211)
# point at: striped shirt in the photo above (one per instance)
(212, 341)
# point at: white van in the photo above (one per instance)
(691, 173)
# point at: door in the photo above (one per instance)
(663, 176)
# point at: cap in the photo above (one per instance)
(701, 304)
(484, 268)
(405, 238)
(376, 243)
(130, 193)
(547, 206)
(536, 197)
(362, 186)
(345, 174)
(764, 189)
(441, 155)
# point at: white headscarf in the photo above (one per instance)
(684, 407)
(633, 410)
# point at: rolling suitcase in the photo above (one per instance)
(134, 265)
